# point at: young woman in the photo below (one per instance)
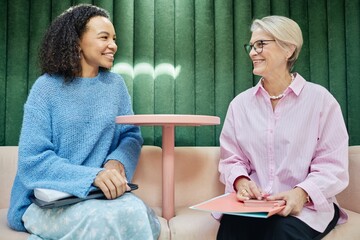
(69, 140)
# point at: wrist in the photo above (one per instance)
(238, 180)
(308, 200)
(305, 195)
(114, 164)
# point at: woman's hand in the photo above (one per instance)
(114, 164)
(112, 181)
(295, 200)
(247, 189)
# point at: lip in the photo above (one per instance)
(257, 61)
(109, 55)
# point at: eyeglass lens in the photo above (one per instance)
(258, 46)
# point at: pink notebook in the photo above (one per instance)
(228, 204)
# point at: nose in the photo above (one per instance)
(112, 45)
(252, 51)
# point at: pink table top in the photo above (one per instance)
(168, 119)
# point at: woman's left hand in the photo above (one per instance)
(295, 201)
(119, 167)
(114, 164)
(112, 181)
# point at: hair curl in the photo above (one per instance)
(59, 51)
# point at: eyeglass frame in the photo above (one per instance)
(248, 47)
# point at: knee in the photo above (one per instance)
(120, 208)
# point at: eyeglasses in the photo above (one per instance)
(258, 46)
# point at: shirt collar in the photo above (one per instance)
(296, 86)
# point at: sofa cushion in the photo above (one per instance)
(348, 231)
(148, 177)
(349, 198)
(196, 180)
(5, 232)
(165, 231)
(8, 166)
(196, 175)
(193, 225)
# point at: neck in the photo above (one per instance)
(277, 87)
(88, 71)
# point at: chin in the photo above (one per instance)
(257, 73)
(107, 66)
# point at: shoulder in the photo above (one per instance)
(244, 96)
(114, 81)
(108, 76)
(315, 87)
(242, 101)
(318, 97)
(47, 82)
(45, 87)
(318, 90)
(42, 91)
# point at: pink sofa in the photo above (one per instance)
(196, 179)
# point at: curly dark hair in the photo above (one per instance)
(59, 51)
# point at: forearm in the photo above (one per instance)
(128, 150)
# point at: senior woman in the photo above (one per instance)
(283, 139)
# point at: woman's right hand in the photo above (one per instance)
(247, 189)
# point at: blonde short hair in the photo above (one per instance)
(285, 31)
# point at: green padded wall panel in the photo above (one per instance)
(17, 62)
(184, 32)
(352, 35)
(3, 66)
(187, 56)
(144, 84)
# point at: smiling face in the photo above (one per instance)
(272, 59)
(97, 46)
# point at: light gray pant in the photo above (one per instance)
(126, 217)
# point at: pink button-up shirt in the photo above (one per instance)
(302, 142)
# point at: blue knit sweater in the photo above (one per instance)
(68, 133)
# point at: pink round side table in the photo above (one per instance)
(168, 123)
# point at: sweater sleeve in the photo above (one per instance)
(39, 164)
(128, 142)
(128, 149)
(40, 167)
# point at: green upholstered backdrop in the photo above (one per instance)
(186, 56)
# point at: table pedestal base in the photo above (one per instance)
(168, 138)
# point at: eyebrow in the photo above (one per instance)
(105, 32)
